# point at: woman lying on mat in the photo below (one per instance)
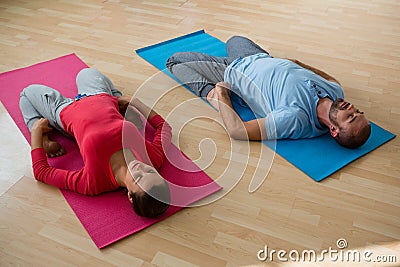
(114, 152)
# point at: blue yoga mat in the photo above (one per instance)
(317, 157)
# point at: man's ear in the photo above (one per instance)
(333, 130)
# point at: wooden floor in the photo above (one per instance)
(357, 42)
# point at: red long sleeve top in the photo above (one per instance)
(100, 131)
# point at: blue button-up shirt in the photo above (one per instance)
(283, 93)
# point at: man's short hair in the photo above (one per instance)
(349, 139)
(152, 203)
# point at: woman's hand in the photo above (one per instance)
(123, 102)
(41, 126)
(133, 116)
(147, 112)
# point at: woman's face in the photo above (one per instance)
(143, 177)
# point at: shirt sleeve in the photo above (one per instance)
(63, 179)
(161, 141)
(287, 124)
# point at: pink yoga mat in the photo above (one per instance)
(108, 217)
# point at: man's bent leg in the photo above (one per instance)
(239, 46)
(198, 71)
(92, 82)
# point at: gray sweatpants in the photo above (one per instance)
(40, 101)
(201, 71)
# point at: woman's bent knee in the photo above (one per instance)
(30, 90)
(86, 74)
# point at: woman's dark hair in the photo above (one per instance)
(152, 203)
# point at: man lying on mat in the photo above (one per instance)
(290, 99)
(95, 121)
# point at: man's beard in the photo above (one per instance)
(335, 107)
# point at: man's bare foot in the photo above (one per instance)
(53, 149)
(212, 98)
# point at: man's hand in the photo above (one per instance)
(223, 89)
(237, 129)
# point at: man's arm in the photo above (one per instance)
(238, 129)
(316, 71)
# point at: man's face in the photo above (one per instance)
(346, 117)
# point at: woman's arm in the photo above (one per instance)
(43, 172)
(157, 147)
(147, 112)
(238, 129)
(63, 179)
(125, 101)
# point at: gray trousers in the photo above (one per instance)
(201, 71)
(40, 101)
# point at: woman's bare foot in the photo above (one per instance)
(53, 149)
